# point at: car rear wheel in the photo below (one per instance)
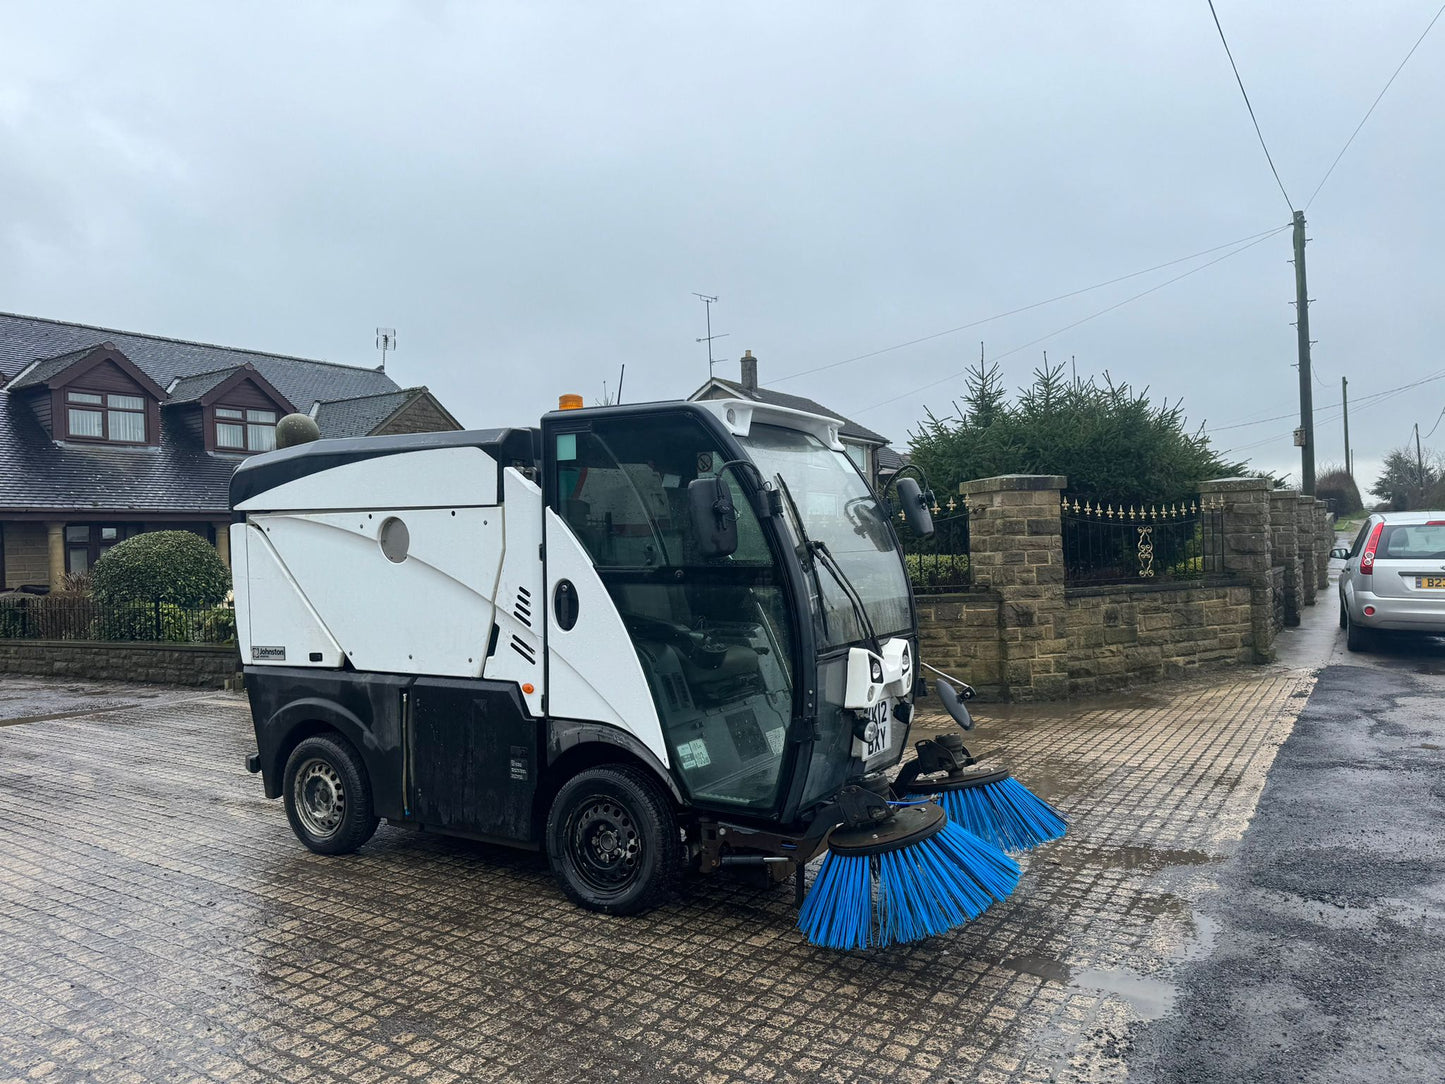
(1357, 638)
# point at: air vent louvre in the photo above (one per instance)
(525, 650)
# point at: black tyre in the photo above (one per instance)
(612, 840)
(1357, 638)
(328, 796)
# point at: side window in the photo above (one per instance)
(1359, 541)
(622, 488)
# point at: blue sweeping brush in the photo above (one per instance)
(910, 877)
(994, 806)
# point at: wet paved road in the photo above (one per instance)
(159, 922)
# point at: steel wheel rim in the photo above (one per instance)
(319, 797)
(604, 845)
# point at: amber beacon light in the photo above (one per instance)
(569, 402)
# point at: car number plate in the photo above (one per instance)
(881, 715)
(1437, 582)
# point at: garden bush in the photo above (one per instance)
(173, 566)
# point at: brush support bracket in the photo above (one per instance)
(910, 825)
(959, 780)
(945, 754)
(860, 808)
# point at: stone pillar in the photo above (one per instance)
(1284, 548)
(1246, 551)
(55, 549)
(1016, 549)
(1324, 542)
(223, 543)
(1306, 528)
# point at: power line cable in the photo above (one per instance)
(1252, 117)
(1334, 410)
(1026, 308)
(1376, 102)
(1361, 401)
(1076, 323)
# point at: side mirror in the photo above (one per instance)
(915, 508)
(1340, 553)
(712, 515)
(953, 704)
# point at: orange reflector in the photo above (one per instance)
(528, 688)
(569, 402)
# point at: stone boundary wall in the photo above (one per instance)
(960, 634)
(1023, 634)
(1125, 634)
(207, 666)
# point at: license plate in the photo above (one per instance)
(1433, 582)
(882, 717)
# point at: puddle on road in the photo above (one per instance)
(1141, 859)
(1150, 996)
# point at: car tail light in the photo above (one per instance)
(1369, 611)
(1367, 559)
(1435, 523)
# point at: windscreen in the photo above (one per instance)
(836, 507)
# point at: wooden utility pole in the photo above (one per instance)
(1419, 466)
(1345, 402)
(1302, 325)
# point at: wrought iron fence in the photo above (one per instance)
(79, 617)
(940, 563)
(1139, 543)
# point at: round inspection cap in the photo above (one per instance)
(978, 777)
(911, 824)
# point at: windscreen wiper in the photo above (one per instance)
(860, 611)
(825, 558)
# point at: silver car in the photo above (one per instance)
(1394, 576)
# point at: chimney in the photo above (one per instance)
(750, 372)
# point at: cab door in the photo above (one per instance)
(693, 655)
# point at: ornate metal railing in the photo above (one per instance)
(941, 563)
(70, 617)
(1142, 543)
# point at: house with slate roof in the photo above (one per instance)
(869, 450)
(105, 434)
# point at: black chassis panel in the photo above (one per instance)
(450, 755)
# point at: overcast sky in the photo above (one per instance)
(530, 193)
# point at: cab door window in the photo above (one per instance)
(712, 634)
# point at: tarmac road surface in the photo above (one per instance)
(1329, 941)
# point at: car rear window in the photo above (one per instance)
(1406, 541)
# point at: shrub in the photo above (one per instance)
(135, 619)
(1112, 442)
(1333, 483)
(174, 566)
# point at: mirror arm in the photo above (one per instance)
(771, 499)
(892, 483)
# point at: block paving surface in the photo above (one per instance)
(159, 922)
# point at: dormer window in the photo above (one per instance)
(94, 415)
(243, 430)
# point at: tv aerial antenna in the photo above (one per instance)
(708, 300)
(385, 340)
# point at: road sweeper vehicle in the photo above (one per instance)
(645, 639)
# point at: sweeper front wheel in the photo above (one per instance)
(612, 840)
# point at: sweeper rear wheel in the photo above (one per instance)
(612, 840)
(327, 795)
